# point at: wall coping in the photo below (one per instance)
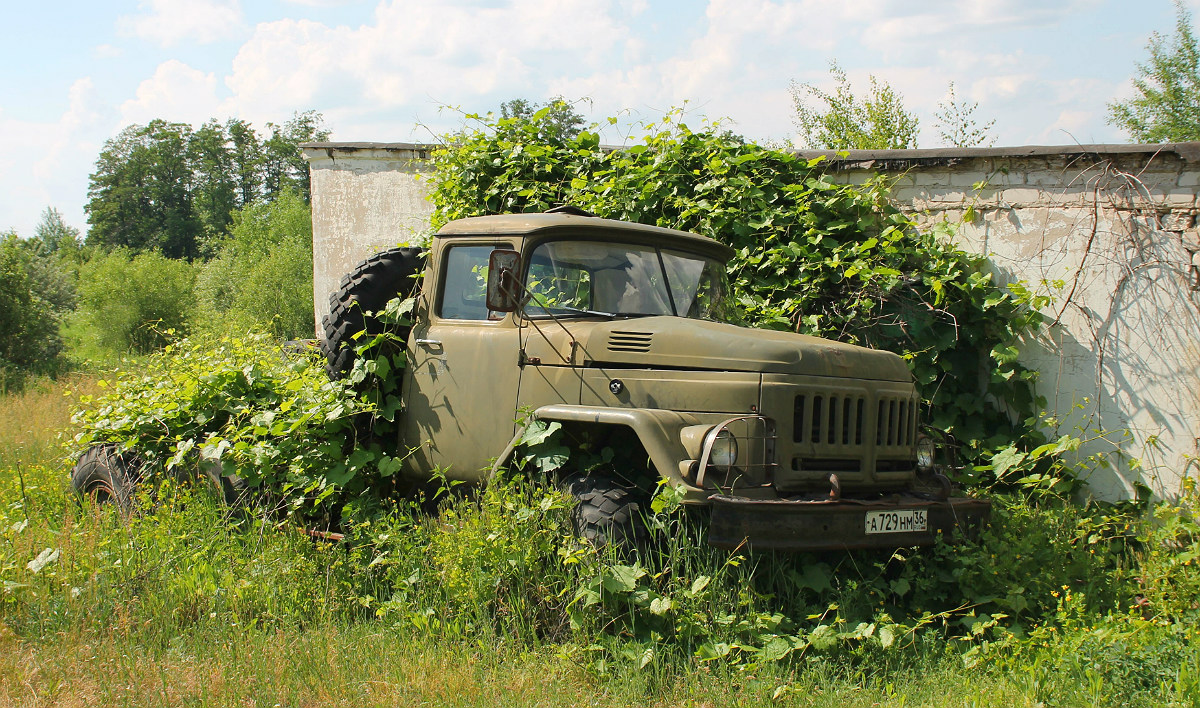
(315, 151)
(856, 159)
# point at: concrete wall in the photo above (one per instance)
(366, 197)
(1108, 231)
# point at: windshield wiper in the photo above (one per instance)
(567, 310)
(582, 311)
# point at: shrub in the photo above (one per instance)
(135, 302)
(240, 402)
(33, 295)
(262, 276)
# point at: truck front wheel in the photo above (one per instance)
(606, 513)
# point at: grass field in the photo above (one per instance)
(196, 605)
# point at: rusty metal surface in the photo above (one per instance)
(829, 525)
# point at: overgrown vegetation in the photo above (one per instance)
(1053, 604)
(811, 256)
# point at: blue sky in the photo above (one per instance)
(77, 72)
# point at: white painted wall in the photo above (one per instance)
(1110, 233)
(366, 197)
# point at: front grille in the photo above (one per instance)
(829, 420)
(832, 419)
(896, 422)
(629, 341)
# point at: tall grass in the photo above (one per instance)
(488, 601)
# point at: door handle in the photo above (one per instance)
(430, 342)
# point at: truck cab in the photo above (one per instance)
(793, 441)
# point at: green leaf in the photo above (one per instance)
(1005, 460)
(886, 637)
(621, 578)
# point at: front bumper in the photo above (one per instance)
(828, 525)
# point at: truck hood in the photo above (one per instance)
(675, 342)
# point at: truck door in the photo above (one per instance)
(463, 374)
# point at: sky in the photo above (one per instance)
(407, 70)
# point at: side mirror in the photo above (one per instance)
(503, 283)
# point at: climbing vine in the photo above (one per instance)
(811, 256)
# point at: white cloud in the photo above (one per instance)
(170, 22)
(324, 3)
(52, 159)
(176, 92)
(415, 54)
(961, 22)
(107, 51)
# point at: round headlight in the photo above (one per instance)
(926, 452)
(724, 450)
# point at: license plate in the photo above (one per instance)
(896, 521)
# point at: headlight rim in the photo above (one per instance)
(926, 449)
(723, 450)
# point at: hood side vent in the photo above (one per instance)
(629, 341)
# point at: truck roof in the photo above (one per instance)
(589, 226)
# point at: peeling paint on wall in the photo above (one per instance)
(365, 198)
(1109, 232)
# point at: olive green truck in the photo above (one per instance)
(624, 334)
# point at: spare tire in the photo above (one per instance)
(366, 289)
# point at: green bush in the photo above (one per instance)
(136, 302)
(1169, 580)
(33, 296)
(261, 278)
(811, 256)
(276, 421)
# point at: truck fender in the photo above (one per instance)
(658, 431)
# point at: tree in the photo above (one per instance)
(1167, 105)
(140, 195)
(245, 156)
(213, 191)
(557, 118)
(29, 332)
(843, 121)
(262, 275)
(284, 166)
(52, 233)
(957, 126)
(170, 188)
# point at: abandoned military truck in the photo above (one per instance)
(626, 333)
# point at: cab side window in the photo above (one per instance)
(464, 285)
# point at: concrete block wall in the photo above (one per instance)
(1108, 231)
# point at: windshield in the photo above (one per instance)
(598, 278)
